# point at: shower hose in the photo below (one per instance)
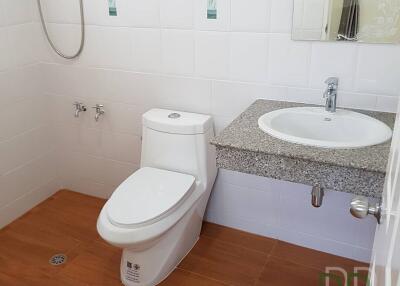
(61, 54)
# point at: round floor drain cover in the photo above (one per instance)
(58, 259)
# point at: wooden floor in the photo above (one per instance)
(66, 223)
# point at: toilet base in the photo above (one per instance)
(151, 266)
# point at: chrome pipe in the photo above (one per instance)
(317, 195)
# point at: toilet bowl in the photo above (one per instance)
(156, 214)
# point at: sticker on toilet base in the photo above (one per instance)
(132, 272)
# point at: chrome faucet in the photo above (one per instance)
(79, 107)
(331, 94)
(99, 111)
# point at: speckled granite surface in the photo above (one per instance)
(243, 147)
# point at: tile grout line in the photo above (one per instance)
(262, 270)
(238, 245)
(202, 276)
(269, 256)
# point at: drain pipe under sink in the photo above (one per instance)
(317, 195)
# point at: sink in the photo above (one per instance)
(313, 126)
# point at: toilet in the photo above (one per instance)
(156, 214)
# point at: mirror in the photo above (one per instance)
(369, 21)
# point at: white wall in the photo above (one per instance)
(27, 162)
(167, 54)
(283, 210)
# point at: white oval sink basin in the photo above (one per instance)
(314, 126)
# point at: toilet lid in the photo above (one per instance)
(147, 195)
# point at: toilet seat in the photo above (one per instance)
(147, 196)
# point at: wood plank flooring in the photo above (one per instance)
(66, 223)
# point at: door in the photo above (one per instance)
(385, 261)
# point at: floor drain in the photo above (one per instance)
(58, 259)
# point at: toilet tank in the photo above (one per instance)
(179, 141)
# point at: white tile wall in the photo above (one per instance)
(146, 53)
(249, 41)
(249, 56)
(283, 211)
(251, 16)
(341, 61)
(177, 52)
(17, 11)
(177, 14)
(28, 172)
(212, 54)
(168, 54)
(289, 61)
(281, 16)
(144, 13)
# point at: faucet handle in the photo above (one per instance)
(99, 111)
(332, 81)
(98, 106)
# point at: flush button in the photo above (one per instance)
(174, 115)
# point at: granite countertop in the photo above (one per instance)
(244, 135)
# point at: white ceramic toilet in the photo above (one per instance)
(156, 214)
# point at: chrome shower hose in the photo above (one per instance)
(61, 54)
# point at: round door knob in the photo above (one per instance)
(361, 208)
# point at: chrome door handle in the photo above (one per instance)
(361, 208)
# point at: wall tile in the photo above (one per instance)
(23, 148)
(146, 53)
(249, 57)
(230, 99)
(252, 16)
(281, 16)
(357, 100)
(289, 62)
(387, 103)
(2, 16)
(333, 59)
(18, 11)
(30, 176)
(64, 11)
(178, 52)
(235, 202)
(23, 204)
(107, 47)
(192, 95)
(144, 13)
(132, 88)
(177, 13)
(4, 61)
(22, 116)
(305, 95)
(212, 54)
(19, 38)
(377, 70)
